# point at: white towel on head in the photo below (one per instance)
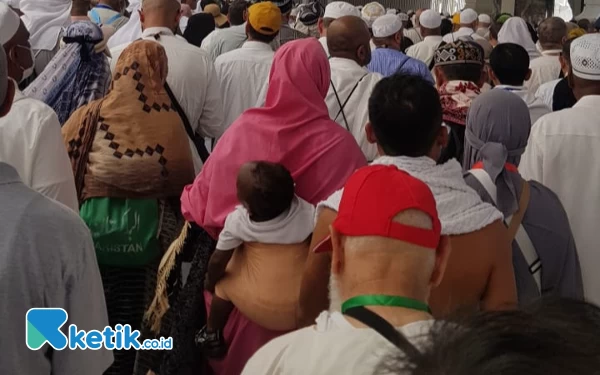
(132, 30)
(45, 19)
(460, 208)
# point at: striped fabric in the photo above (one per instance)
(286, 34)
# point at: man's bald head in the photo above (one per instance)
(552, 33)
(160, 13)
(348, 37)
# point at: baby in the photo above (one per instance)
(270, 213)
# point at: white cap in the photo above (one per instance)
(430, 19)
(391, 11)
(371, 11)
(403, 17)
(484, 18)
(468, 16)
(338, 9)
(3, 76)
(585, 57)
(386, 25)
(9, 23)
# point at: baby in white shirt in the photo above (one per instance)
(270, 213)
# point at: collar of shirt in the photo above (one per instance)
(104, 6)
(257, 46)
(552, 52)
(510, 88)
(8, 174)
(433, 38)
(157, 31)
(465, 30)
(345, 64)
(588, 101)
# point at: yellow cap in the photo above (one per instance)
(265, 18)
(456, 19)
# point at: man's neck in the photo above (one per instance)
(106, 4)
(344, 56)
(551, 48)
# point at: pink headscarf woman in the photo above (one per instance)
(293, 128)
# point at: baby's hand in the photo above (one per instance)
(209, 285)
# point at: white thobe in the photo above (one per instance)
(544, 69)
(537, 108)
(425, 50)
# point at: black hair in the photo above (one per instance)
(494, 30)
(406, 115)
(255, 35)
(510, 63)
(462, 72)
(267, 192)
(236, 12)
(446, 26)
(552, 336)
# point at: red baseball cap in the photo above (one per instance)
(373, 196)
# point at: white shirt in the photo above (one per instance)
(544, 69)
(425, 50)
(243, 74)
(44, 19)
(291, 227)
(463, 31)
(546, 92)
(537, 108)
(30, 141)
(332, 347)
(323, 41)
(194, 83)
(221, 41)
(414, 35)
(345, 75)
(563, 153)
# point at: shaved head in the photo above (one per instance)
(160, 13)
(166, 5)
(347, 37)
(552, 33)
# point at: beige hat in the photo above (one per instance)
(215, 10)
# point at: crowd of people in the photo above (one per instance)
(310, 188)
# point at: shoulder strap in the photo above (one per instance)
(516, 231)
(377, 323)
(342, 106)
(198, 141)
(403, 63)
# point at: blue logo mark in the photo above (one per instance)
(43, 326)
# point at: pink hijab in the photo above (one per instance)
(293, 128)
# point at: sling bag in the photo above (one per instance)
(342, 106)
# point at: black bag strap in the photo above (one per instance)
(374, 321)
(342, 106)
(198, 141)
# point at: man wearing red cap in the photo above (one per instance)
(387, 255)
(406, 124)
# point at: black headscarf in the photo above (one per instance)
(198, 27)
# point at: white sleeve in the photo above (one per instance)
(211, 122)
(52, 175)
(86, 306)
(229, 239)
(531, 165)
(333, 203)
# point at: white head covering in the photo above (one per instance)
(403, 17)
(9, 23)
(514, 30)
(468, 16)
(585, 57)
(391, 11)
(45, 19)
(484, 18)
(386, 25)
(339, 9)
(430, 19)
(132, 30)
(371, 11)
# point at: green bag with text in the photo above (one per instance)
(125, 231)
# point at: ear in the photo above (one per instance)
(337, 253)
(528, 75)
(371, 138)
(493, 77)
(142, 18)
(482, 78)
(443, 137)
(440, 78)
(321, 26)
(8, 101)
(441, 261)
(398, 37)
(570, 79)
